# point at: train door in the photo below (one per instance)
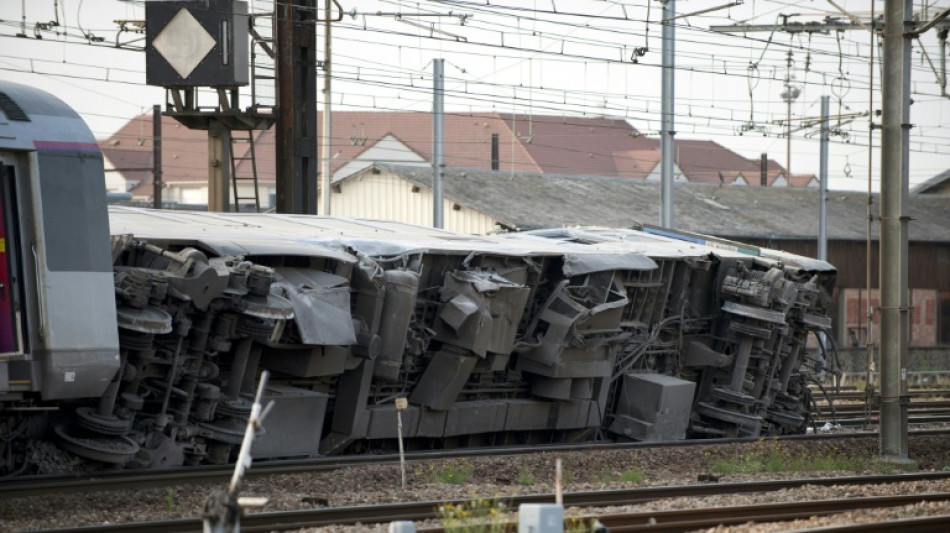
(11, 336)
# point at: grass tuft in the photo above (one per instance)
(476, 516)
(627, 476)
(769, 457)
(525, 477)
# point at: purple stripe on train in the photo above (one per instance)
(66, 146)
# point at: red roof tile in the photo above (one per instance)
(537, 143)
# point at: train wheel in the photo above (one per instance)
(105, 449)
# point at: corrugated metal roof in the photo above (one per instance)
(535, 200)
(940, 183)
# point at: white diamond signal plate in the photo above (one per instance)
(183, 42)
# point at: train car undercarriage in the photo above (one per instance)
(539, 337)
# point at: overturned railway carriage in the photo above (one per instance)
(545, 336)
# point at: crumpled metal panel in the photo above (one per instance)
(567, 320)
(321, 305)
(481, 311)
(297, 247)
(381, 248)
(808, 264)
(578, 264)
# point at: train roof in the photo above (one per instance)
(660, 243)
(35, 119)
(584, 249)
(254, 234)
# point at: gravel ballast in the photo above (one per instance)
(495, 477)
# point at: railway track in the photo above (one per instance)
(682, 520)
(915, 406)
(128, 480)
(656, 521)
(854, 401)
(856, 395)
(855, 414)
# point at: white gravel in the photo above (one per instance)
(500, 476)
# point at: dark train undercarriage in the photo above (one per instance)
(552, 336)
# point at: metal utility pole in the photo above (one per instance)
(327, 122)
(895, 324)
(942, 39)
(823, 183)
(790, 94)
(898, 30)
(788, 126)
(157, 156)
(438, 141)
(296, 135)
(668, 99)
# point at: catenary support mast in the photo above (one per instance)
(895, 324)
(668, 100)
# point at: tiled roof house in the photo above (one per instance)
(540, 143)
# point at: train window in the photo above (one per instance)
(75, 214)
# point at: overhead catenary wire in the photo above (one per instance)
(725, 112)
(918, 149)
(589, 58)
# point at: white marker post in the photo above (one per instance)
(401, 405)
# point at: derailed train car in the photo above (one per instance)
(548, 336)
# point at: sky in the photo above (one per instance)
(544, 57)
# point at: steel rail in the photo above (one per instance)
(704, 518)
(857, 395)
(682, 520)
(929, 524)
(299, 519)
(20, 487)
(855, 422)
(918, 406)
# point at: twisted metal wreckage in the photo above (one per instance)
(537, 337)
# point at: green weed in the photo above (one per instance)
(525, 477)
(476, 516)
(770, 457)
